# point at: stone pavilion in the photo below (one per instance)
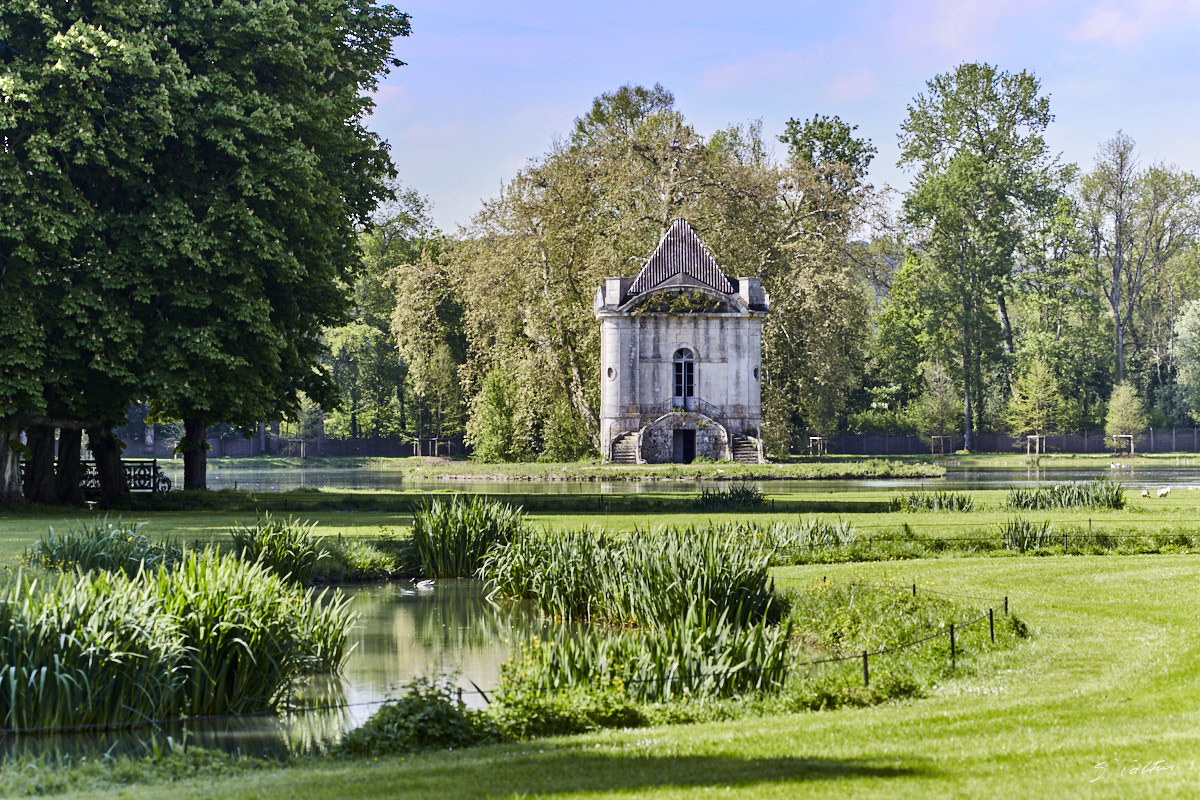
(681, 359)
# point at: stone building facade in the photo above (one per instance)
(681, 359)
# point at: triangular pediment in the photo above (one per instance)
(680, 259)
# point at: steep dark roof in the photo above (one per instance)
(680, 253)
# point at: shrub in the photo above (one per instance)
(451, 538)
(427, 718)
(353, 560)
(578, 709)
(286, 547)
(103, 546)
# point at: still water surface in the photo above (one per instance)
(401, 633)
(274, 479)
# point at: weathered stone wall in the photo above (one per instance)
(658, 438)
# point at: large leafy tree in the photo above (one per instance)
(1137, 221)
(257, 203)
(975, 140)
(186, 181)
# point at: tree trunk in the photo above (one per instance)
(39, 467)
(10, 467)
(968, 422)
(194, 448)
(69, 470)
(106, 447)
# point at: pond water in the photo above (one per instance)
(1143, 475)
(401, 633)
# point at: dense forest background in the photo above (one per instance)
(1004, 291)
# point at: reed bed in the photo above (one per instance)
(287, 547)
(699, 654)
(214, 635)
(737, 497)
(652, 577)
(1103, 493)
(786, 540)
(933, 501)
(102, 545)
(451, 538)
(1021, 535)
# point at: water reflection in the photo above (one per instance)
(401, 633)
(1135, 475)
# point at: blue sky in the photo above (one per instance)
(490, 85)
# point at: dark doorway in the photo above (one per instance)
(683, 447)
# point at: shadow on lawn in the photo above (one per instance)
(562, 772)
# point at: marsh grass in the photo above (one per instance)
(651, 577)
(452, 537)
(698, 654)
(933, 501)
(102, 545)
(740, 496)
(286, 546)
(1102, 493)
(214, 635)
(1022, 535)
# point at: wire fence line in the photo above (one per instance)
(299, 709)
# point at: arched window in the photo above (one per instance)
(685, 378)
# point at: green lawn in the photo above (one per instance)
(1109, 678)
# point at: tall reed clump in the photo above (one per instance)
(287, 547)
(739, 496)
(702, 653)
(1020, 534)
(1103, 493)
(452, 538)
(102, 545)
(214, 635)
(933, 501)
(651, 577)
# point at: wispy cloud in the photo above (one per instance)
(1128, 25)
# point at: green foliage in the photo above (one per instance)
(575, 709)
(699, 653)
(1126, 412)
(427, 718)
(103, 546)
(933, 501)
(492, 430)
(1036, 405)
(680, 302)
(1022, 535)
(287, 547)
(214, 635)
(452, 538)
(731, 498)
(650, 578)
(1103, 493)
(351, 560)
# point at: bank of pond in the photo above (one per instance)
(103, 630)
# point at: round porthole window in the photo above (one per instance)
(612, 373)
(756, 373)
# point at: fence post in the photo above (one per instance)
(1064, 544)
(1006, 605)
(914, 590)
(952, 654)
(866, 673)
(992, 623)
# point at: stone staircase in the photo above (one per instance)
(624, 449)
(745, 450)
